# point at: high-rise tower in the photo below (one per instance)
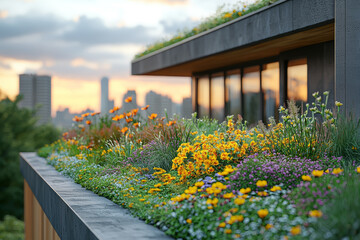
(104, 108)
(36, 92)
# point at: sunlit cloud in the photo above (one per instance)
(3, 14)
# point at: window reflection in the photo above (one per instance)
(233, 93)
(297, 80)
(193, 93)
(270, 82)
(217, 96)
(251, 91)
(203, 96)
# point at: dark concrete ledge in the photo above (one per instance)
(77, 213)
(280, 19)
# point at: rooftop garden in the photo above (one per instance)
(220, 17)
(199, 179)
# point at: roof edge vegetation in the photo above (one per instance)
(219, 18)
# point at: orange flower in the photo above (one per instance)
(77, 119)
(123, 130)
(136, 125)
(152, 116)
(170, 123)
(144, 108)
(95, 113)
(129, 114)
(114, 109)
(85, 115)
(134, 111)
(129, 120)
(129, 99)
(88, 122)
(111, 111)
(117, 118)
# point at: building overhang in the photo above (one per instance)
(283, 26)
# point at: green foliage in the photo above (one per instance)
(213, 21)
(18, 133)
(11, 228)
(341, 216)
(346, 138)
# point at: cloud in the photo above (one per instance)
(93, 31)
(23, 25)
(3, 14)
(166, 2)
(172, 26)
(5, 66)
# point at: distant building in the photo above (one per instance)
(36, 92)
(186, 108)
(63, 118)
(104, 108)
(159, 104)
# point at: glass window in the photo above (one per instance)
(203, 96)
(297, 80)
(270, 83)
(193, 93)
(233, 93)
(251, 91)
(217, 96)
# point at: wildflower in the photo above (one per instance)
(262, 194)
(142, 199)
(295, 230)
(88, 122)
(337, 171)
(222, 225)
(275, 188)
(263, 213)
(239, 201)
(199, 184)
(268, 226)
(228, 231)
(123, 130)
(95, 113)
(131, 205)
(77, 119)
(156, 205)
(157, 185)
(136, 125)
(129, 120)
(189, 221)
(261, 183)
(228, 195)
(338, 104)
(128, 99)
(315, 213)
(152, 116)
(358, 169)
(306, 178)
(170, 123)
(194, 133)
(245, 190)
(144, 108)
(317, 173)
(85, 115)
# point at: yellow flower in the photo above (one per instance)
(157, 185)
(228, 195)
(306, 178)
(141, 199)
(262, 194)
(275, 188)
(239, 201)
(358, 169)
(222, 225)
(245, 190)
(315, 213)
(261, 183)
(189, 221)
(263, 213)
(156, 205)
(199, 184)
(228, 231)
(131, 205)
(152, 116)
(295, 230)
(338, 104)
(268, 226)
(317, 173)
(337, 171)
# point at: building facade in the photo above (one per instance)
(252, 65)
(36, 92)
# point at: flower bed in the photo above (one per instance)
(197, 179)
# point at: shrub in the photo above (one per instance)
(11, 228)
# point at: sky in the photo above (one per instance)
(79, 42)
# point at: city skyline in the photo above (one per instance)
(79, 46)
